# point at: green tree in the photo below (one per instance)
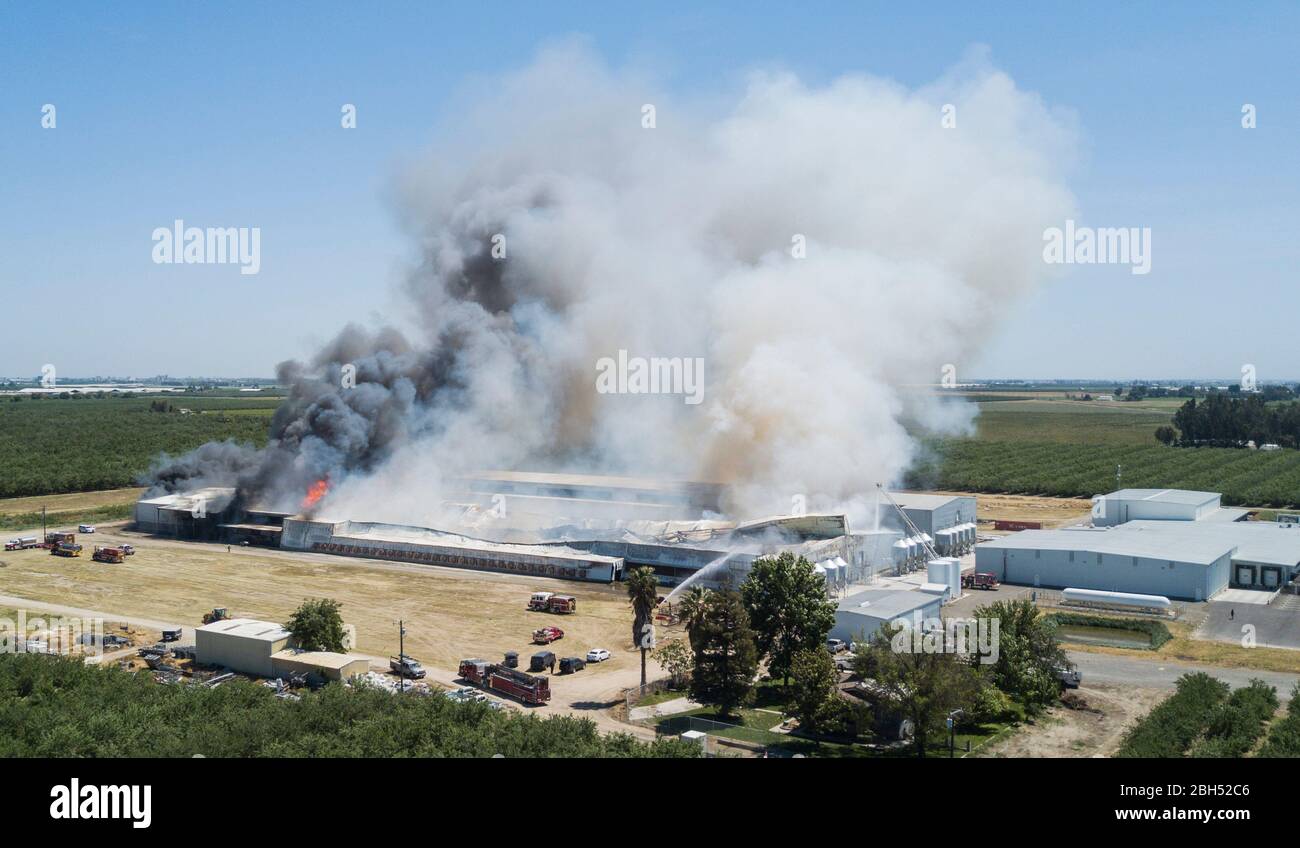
(813, 689)
(675, 657)
(924, 685)
(643, 593)
(317, 625)
(691, 607)
(1165, 435)
(726, 659)
(787, 606)
(1029, 654)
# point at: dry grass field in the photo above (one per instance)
(449, 613)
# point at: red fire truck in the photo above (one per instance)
(507, 681)
(979, 580)
(563, 604)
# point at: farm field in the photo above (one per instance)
(57, 445)
(1062, 448)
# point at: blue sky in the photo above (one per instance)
(229, 114)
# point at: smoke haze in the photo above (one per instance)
(676, 241)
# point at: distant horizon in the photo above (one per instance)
(974, 382)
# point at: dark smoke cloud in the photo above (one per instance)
(676, 242)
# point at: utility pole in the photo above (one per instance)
(401, 655)
(43, 530)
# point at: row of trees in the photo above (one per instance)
(52, 447)
(61, 707)
(1221, 420)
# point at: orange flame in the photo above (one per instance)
(315, 493)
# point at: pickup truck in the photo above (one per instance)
(547, 635)
(404, 666)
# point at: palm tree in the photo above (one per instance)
(690, 609)
(643, 592)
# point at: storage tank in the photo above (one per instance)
(1121, 599)
(954, 576)
(900, 554)
(936, 572)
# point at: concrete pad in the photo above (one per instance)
(1269, 626)
(1244, 596)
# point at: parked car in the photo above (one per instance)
(541, 661)
(836, 646)
(597, 655)
(569, 665)
(467, 694)
(1070, 678)
(85, 528)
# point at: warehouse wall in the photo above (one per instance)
(1108, 572)
(852, 625)
(1122, 511)
(956, 511)
(250, 656)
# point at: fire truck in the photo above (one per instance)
(979, 580)
(550, 602)
(563, 604)
(104, 553)
(508, 681)
(53, 540)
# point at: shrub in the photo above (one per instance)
(1170, 729)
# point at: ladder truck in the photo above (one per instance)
(508, 681)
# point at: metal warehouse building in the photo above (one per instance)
(1160, 505)
(240, 644)
(1187, 559)
(860, 615)
(932, 513)
(434, 547)
(262, 648)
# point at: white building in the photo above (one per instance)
(1159, 505)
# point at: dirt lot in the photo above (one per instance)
(1094, 731)
(1053, 512)
(449, 613)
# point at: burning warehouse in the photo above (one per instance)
(548, 530)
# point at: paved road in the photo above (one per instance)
(1104, 668)
(16, 602)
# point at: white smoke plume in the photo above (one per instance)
(676, 241)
